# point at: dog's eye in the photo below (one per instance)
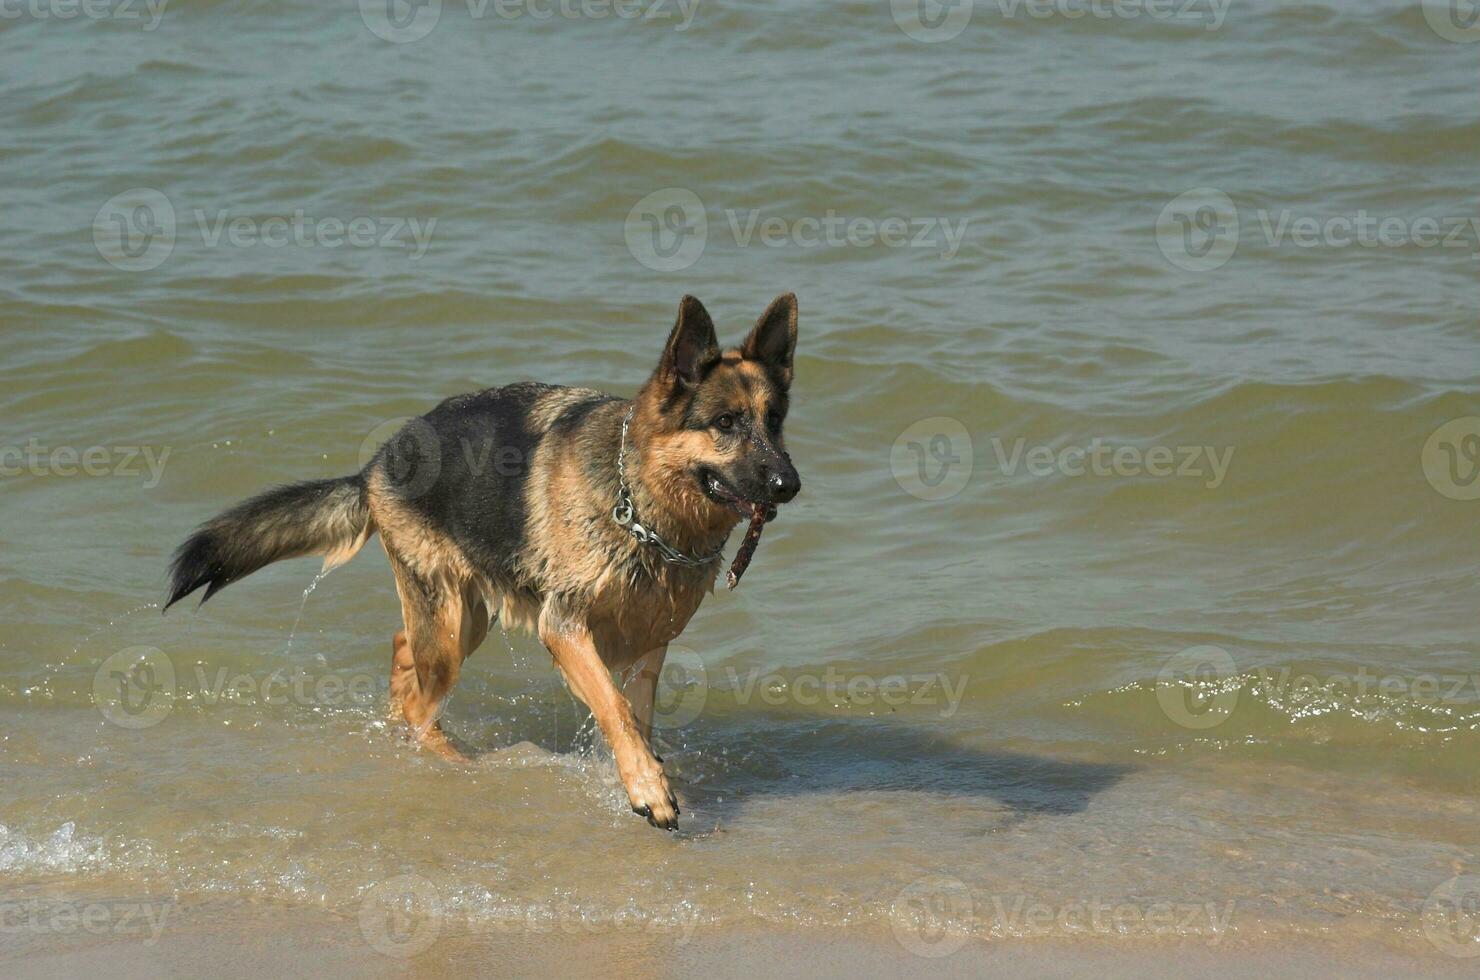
(725, 422)
(773, 420)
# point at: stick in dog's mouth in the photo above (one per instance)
(759, 514)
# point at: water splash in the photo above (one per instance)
(63, 850)
(110, 624)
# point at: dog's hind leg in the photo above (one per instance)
(474, 623)
(444, 624)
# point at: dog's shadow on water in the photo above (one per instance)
(721, 763)
(721, 768)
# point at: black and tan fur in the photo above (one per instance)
(499, 504)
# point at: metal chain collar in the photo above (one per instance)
(625, 514)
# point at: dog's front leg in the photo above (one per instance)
(641, 688)
(575, 653)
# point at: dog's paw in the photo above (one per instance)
(650, 795)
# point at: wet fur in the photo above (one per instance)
(497, 504)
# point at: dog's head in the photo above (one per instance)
(713, 418)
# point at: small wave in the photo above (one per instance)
(1352, 706)
(62, 851)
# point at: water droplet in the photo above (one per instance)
(323, 574)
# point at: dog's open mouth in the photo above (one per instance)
(720, 492)
(756, 512)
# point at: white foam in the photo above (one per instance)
(63, 850)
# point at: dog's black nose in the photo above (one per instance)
(784, 485)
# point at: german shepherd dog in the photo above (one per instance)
(593, 520)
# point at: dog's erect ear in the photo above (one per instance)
(773, 339)
(692, 347)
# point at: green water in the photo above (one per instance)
(1135, 560)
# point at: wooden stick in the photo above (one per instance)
(747, 547)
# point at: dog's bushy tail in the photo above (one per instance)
(316, 517)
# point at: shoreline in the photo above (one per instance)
(229, 938)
